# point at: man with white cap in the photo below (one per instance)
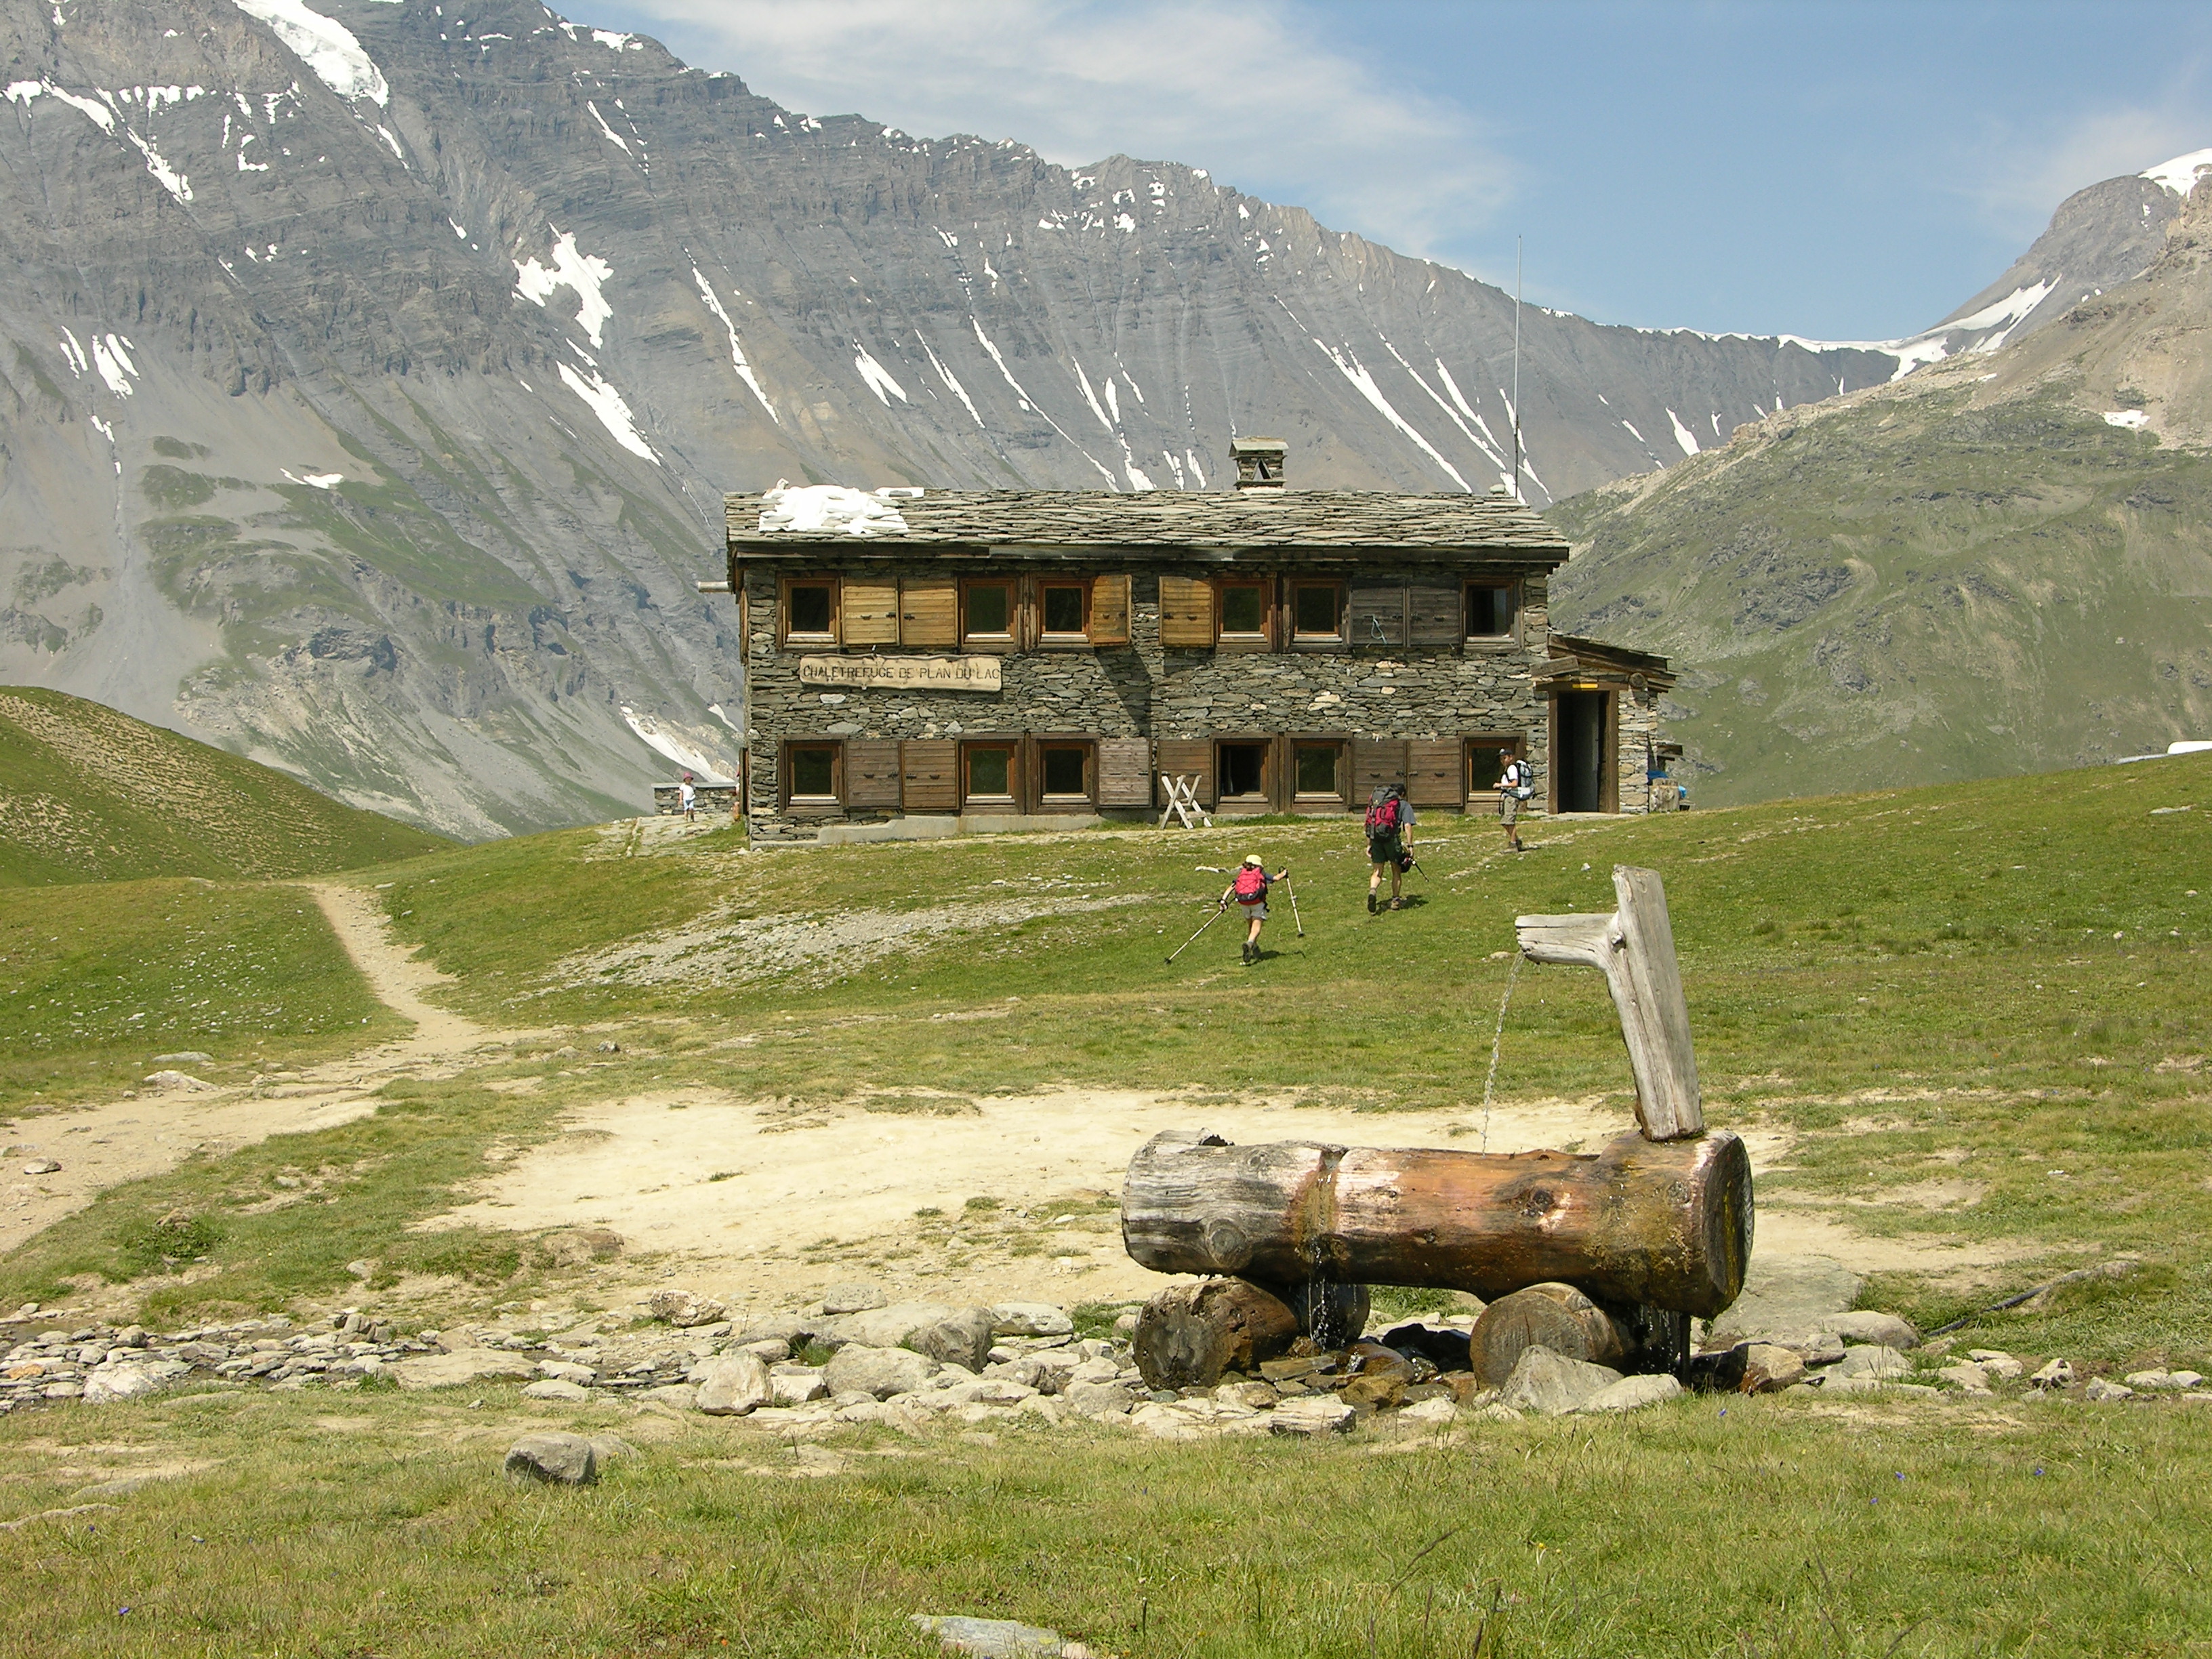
(1248, 890)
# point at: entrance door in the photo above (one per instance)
(1578, 756)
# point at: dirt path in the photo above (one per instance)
(103, 1146)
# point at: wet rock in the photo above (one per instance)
(878, 1373)
(566, 1460)
(857, 1298)
(684, 1310)
(1030, 1319)
(1312, 1414)
(1551, 1384)
(731, 1385)
(1885, 1328)
(961, 1339)
(1445, 1348)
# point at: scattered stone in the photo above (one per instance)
(732, 1385)
(1030, 1319)
(451, 1371)
(852, 1298)
(2187, 1379)
(2162, 1381)
(1783, 1296)
(684, 1310)
(881, 1327)
(182, 1057)
(795, 1385)
(1995, 1361)
(1885, 1328)
(1874, 1360)
(1107, 1399)
(131, 1380)
(2101, 1389)
(1252, 1396)
(1768, 1367)
(993, 1638)
(41, 1166)
(557, 1388)
(1632, 1394)
(566, 1460)
(962, 1339)
(175, 1079)
(1438, 1410)
(2055, 1375)
(1312, 1414)
(769, 1350)
(1551, 1384)
(1125, 1324)
(567, 1371)
(610, 1049)
(1966, 1376)
(878, 1373)
(1882, 1385)
(677, 1396)
(1375, 1390)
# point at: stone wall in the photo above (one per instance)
(1143, 690)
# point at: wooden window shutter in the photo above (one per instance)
(929, 775)
(1109, 609)
(1125, 771)
(1186, 613)
(872, 776)
(1373, 764)
(870, 605)
(929, 611)
(1375, 614)
(1435, 769)
(1437, 614)
(1182, 757)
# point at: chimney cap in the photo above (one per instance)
(1259, 462)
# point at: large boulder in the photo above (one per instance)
(1868, 1326)
(1784, 1298)
(859, 1368)
(732, 1385)
(563, 1459)
(685, 1308)
(1873, 1360)
(1632, 1394)
(1099, 1399)
(880, 1327)
(453, 1370)
(960, 1339)
(1551, 1384)
(130, 1380)
(1030, 1319)
(852, 1298)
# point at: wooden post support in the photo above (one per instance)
(1635, 948)
(1662, 1225)
(1183, 800)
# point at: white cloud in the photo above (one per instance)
(1262, 99)
(2027, 179)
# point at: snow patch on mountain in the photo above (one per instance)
(672, 746)
(737, 351)
(879, 379)
(324, 46)
(584, 274)
(2179, 175)
(610, 407)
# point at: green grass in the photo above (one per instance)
(96, 979)
(90, 794)
(381, 1526)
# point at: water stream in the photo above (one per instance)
(1496, 1040)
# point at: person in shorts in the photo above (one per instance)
(1390, 816)
(1247, 892)
(687, 794)
(1514, 785)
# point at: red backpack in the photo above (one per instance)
(1250, 886)
(1383, 817)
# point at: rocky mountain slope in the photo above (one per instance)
(89, 794)
(2001, 565)
(369, 375)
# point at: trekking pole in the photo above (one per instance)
(1293, 892)
(1219, 911)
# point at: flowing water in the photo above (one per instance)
(1496, 1040)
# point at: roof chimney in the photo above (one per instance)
(1259, 462)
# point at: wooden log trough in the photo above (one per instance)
(1603, 1255)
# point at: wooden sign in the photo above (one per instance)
(918, 673)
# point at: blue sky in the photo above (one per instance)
(1840, 171)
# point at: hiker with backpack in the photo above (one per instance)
(1248, 890)
(1515, 785)
(1390, 816)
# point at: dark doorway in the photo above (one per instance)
(1578, 751)
(1243, 772)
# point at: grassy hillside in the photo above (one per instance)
(90, 794)
(1970, 573)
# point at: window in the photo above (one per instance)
(1067, 772)
(1490, 608)
(811, 769)
(1320, 770)
(987, 610)
(810, 609)
(1243, 610)
(1317, 610)
(1066, 607)
(987, 774)
(1486, 761)
(1243, 771)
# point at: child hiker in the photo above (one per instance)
(1389, 815)
(1249, 889)
(687, 796)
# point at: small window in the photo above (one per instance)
(1317, 611)
(813, 774)
(1243, 771)
(989, 770)
(1489, 610)
(988, 610)
(1066, 610)
(810, 611)
(1321, 769)
(1243, 609)
(1486, 761)
(1066, 768)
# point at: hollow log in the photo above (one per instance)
(1551, 1315)
(1667, 1224)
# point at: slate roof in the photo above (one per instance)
(1319, 519)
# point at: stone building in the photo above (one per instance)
(999, 659)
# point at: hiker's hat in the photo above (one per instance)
(687, 777)
(1252, 859)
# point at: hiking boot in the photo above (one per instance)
(1251, 955)
(1397, 904)
(1370, 901)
